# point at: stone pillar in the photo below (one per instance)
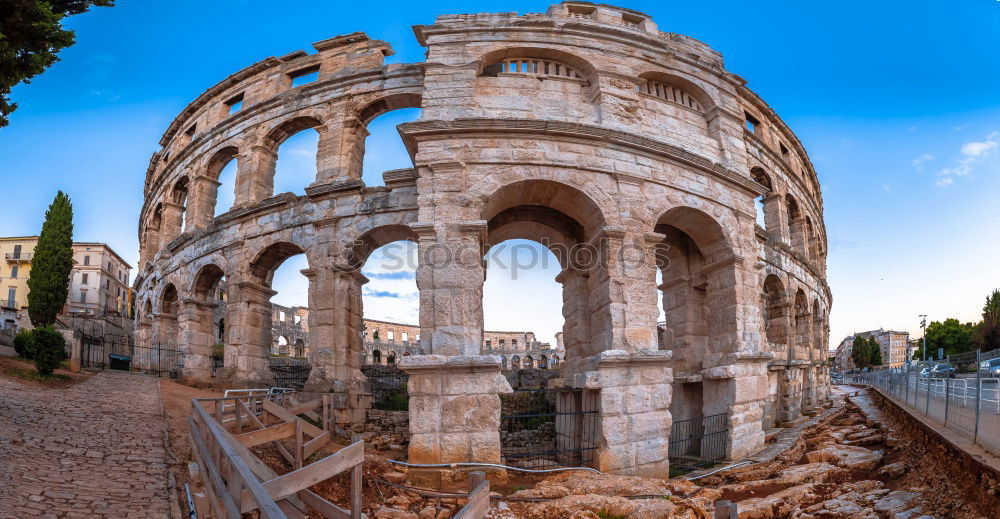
(623, 292)
(170, 229)
(248, 326)
(454, 410)
(633, 418)
(335, 318)
(576, 313)
(341, 151)
(196, 340)
(201, 202)
(797, 236)
(740, 389)
(255, 176)
(454, 389)
(624, 370)
(774, 211)
(790, 397)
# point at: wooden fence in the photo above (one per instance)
(235, 481)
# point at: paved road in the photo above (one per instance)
(94, 449)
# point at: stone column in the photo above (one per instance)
(774, 212)
(624, 370)
(341, 150)
(201, 202)
(248, 326)
(335, 318)
(255, 176)
(633, 410)
(797, 236)
(195, 324)
(576, 313)
(170, 229)
(739, 388)
(454, 389)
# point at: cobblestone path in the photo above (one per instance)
(91, 450)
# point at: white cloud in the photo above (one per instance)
(918, 162)
(973, 153)
(977, 149)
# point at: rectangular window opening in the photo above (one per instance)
(752, 123)
(234, 104)
(784, 149)
(191, 129)
(304, 76)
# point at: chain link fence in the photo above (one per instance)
(969, 405)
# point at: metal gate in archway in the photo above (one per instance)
(542, 428)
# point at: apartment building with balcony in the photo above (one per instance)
(98, 282)
(15, 268)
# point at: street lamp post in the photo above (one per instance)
(923, 326)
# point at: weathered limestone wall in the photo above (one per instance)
(630, 152)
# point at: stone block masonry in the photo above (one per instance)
(631, 153)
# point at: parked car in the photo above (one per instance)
(990, 368)
(943, 370)
(924, 373)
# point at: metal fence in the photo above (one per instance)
(388, 386)
(157, 359)
(541, 428)
(967, 405)
(698, 441)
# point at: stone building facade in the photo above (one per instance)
(631, 153)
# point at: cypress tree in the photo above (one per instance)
(48, 285)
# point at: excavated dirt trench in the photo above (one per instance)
(863, 459)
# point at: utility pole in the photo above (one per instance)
(923, 326)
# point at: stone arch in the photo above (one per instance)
(376, 356)
(564, 219)
(543, 362)
(704, 100)
(265, 156)
(583, 69)
(503, 363)
(206, 186)
(515, 362)
(371, 239)
(767, 204)
(390, 358)
(774, 307)
(529, 362)
(168, 299)
(267, 261)
(796, 226)
(387, 103)
(356, 131)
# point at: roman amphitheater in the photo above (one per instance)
(631, 153)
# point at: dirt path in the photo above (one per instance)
(92, 449)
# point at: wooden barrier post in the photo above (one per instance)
(725, 509)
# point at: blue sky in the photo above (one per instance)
(896, 102)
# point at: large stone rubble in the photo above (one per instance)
(847, 466)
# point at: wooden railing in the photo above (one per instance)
(235, 481)
(479, 498)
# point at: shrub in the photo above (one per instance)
(23, 345)
(50, 349)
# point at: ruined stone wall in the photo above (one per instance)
(583, 128)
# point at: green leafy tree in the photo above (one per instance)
(48, 285)
(31, 34)
(988, 331)
(874, 352)
(23, 345)
(951, 335)
(859, 353)
(49, 348)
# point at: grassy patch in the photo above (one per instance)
(604, 514)
(30, 374)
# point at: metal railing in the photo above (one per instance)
(699, 441)
(553, 427)
(8, 303)
(968, 405)
(19, 256)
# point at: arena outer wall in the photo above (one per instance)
(585, 128)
